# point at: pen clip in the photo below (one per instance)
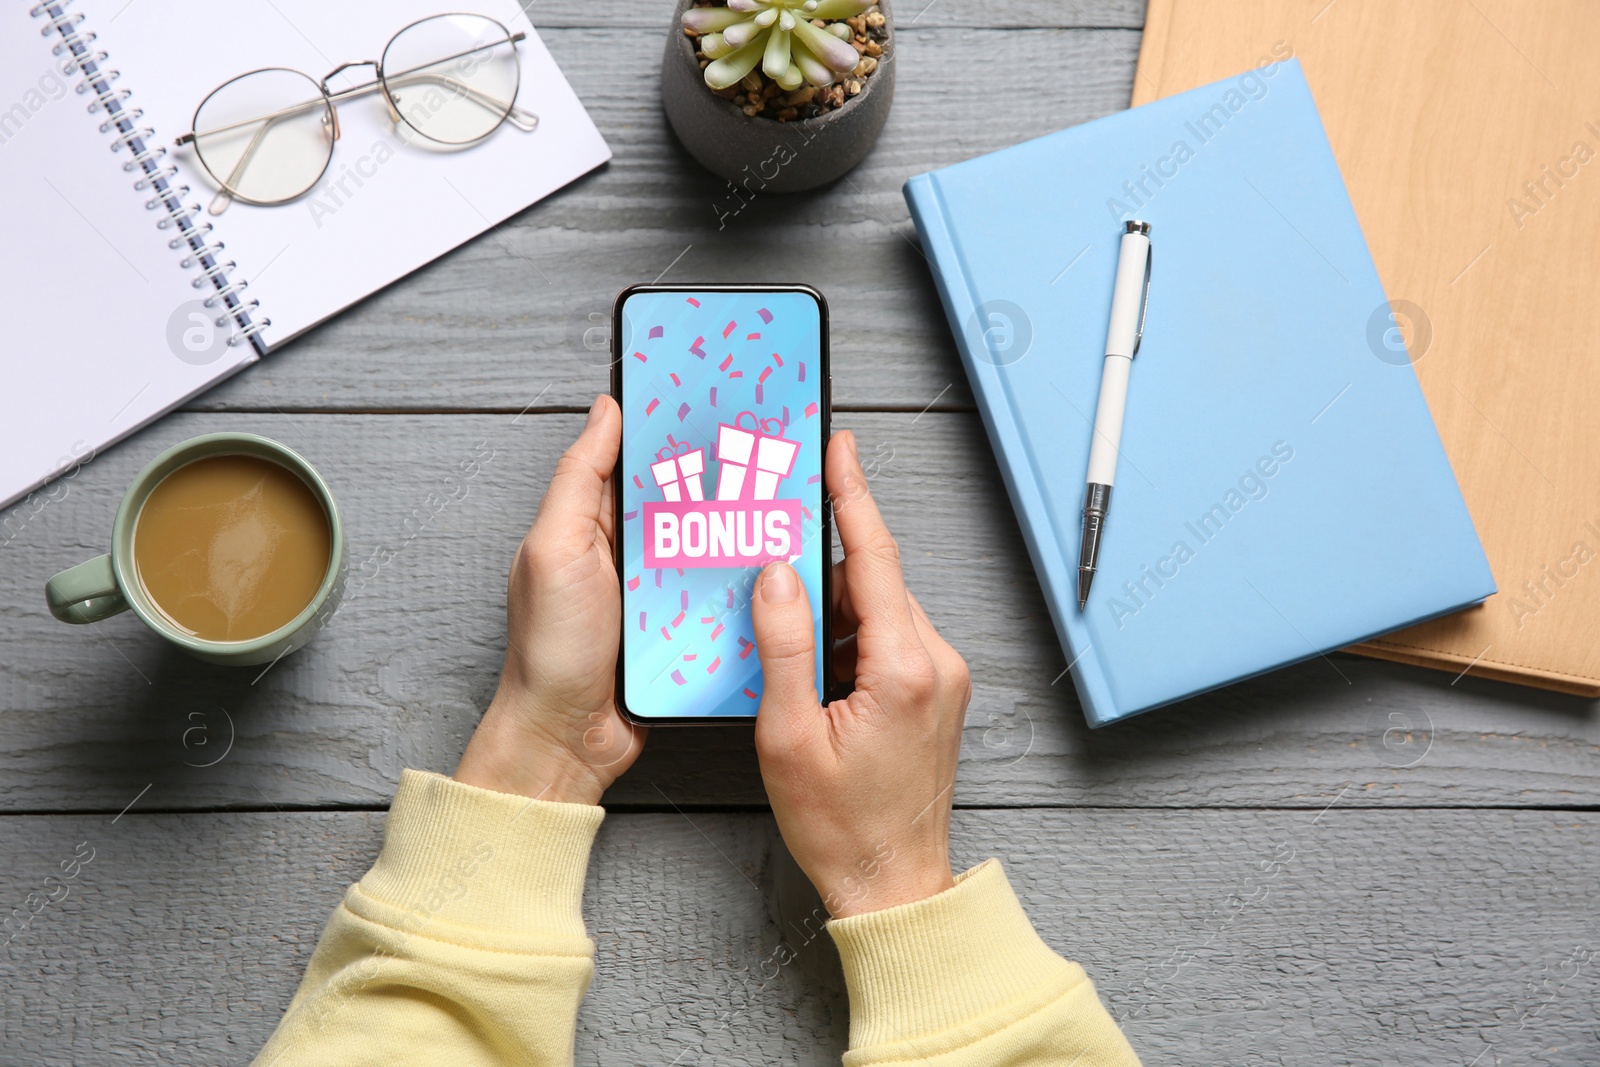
(1144, 301)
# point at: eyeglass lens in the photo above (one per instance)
(265, 136)
(452, 78)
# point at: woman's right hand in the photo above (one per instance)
(861, 788)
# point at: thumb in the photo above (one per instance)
(787, 645)
(571, 505)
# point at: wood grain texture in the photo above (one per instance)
(980, 14)
(498, 324)
(1488, 268)
(91, 715)
(1229, 938)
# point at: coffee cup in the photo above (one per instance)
(214, 546)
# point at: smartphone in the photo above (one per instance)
(724, 392)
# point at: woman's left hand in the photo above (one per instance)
(553, 730)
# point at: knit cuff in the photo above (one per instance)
(457, 856)
(932, 965)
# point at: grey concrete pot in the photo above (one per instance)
(758, 154)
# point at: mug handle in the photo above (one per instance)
(85, 593)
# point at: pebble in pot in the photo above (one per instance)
(779, 95)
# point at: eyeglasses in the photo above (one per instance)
(266, 137)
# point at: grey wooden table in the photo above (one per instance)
(1343, 862)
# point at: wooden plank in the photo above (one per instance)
(922, 14)
(1353, 937)
(93, 715)
(498, 324)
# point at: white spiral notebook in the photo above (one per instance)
(110, 256)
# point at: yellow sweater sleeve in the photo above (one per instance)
(464, 946)
(962, 979)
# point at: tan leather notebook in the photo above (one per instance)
(1469, 137)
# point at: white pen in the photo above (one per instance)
(1128, 301)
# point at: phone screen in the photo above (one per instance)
(724, 413)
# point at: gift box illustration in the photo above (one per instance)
(746, 524)
(677, 471)
(754, 459)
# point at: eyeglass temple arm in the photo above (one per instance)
(521, 118)
(285, 113)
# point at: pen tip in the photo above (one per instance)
(1085, 578)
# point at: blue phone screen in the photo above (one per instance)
(722, 473)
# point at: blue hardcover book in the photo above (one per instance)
(1281, 490)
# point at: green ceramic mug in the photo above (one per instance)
(108, 584)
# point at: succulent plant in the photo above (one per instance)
(781, 36)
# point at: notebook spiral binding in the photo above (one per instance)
(76, 46)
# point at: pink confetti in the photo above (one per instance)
(675, 380)
(683, 599)
(786, 414)
(708, 618)
(696, 349)
(752, 337)
(736, 374)
(641, 357)
(802, 372)
(683, 411)
(814, 479)
(690, 657)
(651, 407)
(766, 372)
(641, 620)
(730, 596)
(633, 583)
(637, 482)
(693, 301)
(811, 409)
(777, 359)
(725, 364)
(658, 577)
(679, 620)
(766, 316)
(666, 633)
(717, 631)
(728, 329)
(760, 399)
(713, 396)
(679, 570)
(677, 676)
(751, 695)
(658, 331)
(628, 516)
(746, 648)
(714, 665)
(806, 510)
